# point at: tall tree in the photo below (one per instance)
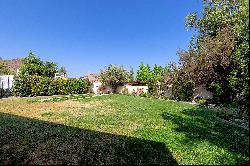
(221, 46)
(143, 74)
(156, 80)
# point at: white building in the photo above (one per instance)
(6, 81)
(96, 86)
(60, 75)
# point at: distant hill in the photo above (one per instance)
(13, 64)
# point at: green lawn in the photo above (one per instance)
(115, 129)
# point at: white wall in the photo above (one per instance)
(97, 85)
(6, 81)
(131, 88)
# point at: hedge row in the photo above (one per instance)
(32, 85)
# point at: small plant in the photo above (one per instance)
(125, 91)
(143, 94)
(202, 102)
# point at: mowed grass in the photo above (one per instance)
(115, 129)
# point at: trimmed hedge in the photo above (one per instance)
(33, 85)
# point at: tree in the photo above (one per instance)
(33, 65)
(4, 70)
(113, 76)
(62, 70)
(155, 80)
(131, 75)
(170, 71)
(49, 69)
(158, 79)
(220, 47)
(143, 74)
(212, 62)
(157, 73)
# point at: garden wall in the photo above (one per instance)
(130, 88)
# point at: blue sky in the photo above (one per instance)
(87, 35)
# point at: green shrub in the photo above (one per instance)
(39, 85)
(182, 91)
(43, 86)
(79, 86)
(53, 87)
(216, 89)
(22, 86)
(63, 86)
(143, 94)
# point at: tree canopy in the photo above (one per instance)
(114, 75)
(143, 74)
(218, 52)
(33, 65)
(4, 70)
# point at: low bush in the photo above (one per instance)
(79, 86)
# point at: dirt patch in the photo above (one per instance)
(76, 104)
(100, 109)
(35, 109)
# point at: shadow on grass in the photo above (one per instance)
(200, 124)
(30, 141)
